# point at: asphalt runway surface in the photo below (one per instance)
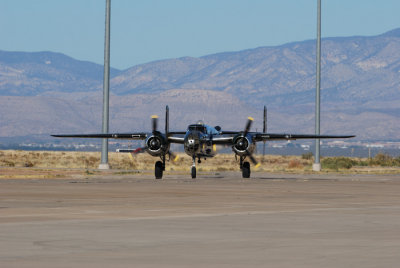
(216, 220)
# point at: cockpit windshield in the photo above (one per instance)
(197, 127)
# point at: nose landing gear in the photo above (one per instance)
(194, 167)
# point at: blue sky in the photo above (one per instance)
(148, 30)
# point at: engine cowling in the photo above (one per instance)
(156, 145)
(243, 145)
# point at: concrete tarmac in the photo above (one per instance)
(216, 220)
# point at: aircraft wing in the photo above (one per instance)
(222, 140)
(226, 137)
(270, 136)
(128, 136)
(174, 139)
(176, 136)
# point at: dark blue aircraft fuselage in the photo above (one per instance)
(198, 140)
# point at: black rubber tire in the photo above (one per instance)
(193, 172)
(158, 170)
(246, 170)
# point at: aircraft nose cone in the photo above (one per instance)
(192, 143)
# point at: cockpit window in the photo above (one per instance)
(200, 128)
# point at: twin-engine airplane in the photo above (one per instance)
(200, 140)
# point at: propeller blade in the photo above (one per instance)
(154, 119)
(264, 149)
(138, 150)
(254, 161)
(248, 125)
(173, 156)
(265, 120)
(132, 151)
(166, 120)
(264, 127)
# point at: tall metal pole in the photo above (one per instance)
(317, 165)
(106, 86)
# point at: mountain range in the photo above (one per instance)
(47, 92)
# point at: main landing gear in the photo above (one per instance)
(245, 167)
(159, 168)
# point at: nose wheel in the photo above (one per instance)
(193, 172)
(194, 168)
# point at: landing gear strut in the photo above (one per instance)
(194, 168)
(245, 167)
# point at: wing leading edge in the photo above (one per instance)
(268, 136)
(174, 137)
(226, 137)
(130, 136)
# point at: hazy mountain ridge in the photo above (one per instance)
(50, 92)
(353, 66)
(33, 73)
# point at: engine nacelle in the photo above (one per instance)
(243, 145)
(156, 145)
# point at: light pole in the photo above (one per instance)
(317, 164)
(106, 86)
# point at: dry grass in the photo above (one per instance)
(121, 161)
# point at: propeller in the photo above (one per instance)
(264, 127)
(137, 151)
(173, 156)
(246, 131)
(154, 124)
(254, 161)
(248, 125)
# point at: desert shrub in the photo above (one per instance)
(384, 160)
(7, 163)
(362, 163)
(337, 163)
(295, 164)
(222, 168)
(28, 164)
(307, 156)
(92, 160)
